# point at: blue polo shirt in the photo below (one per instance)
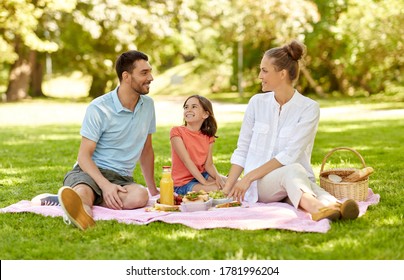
(120, 134)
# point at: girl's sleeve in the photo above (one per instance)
(175, 132)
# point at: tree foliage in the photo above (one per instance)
(24, 27)
(373, 46)
(353, 46)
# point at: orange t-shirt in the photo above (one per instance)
(197, 145)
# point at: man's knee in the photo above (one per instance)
(86, 194)
(85, 191)
(136, 197)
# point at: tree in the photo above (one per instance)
(21, 23)
(97, 31)
(323, 50)
(372, 35)
(219, 28)
(352, 45)
(357, 45)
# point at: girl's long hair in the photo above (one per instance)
(209, 125)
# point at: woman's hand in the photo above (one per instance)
(239, 189)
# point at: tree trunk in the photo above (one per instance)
(36, 80)
(19, 79)
(319, 90)
(342, 81)
(98, 86)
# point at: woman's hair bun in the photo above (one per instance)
(294, 49)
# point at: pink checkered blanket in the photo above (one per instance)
(248, 217)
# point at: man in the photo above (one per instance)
(116, 134)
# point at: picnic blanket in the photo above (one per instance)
(248, 217)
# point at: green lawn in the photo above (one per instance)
(35, 157)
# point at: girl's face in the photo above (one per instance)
(193, 111)
(271, 79)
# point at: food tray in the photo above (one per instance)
(196, 206)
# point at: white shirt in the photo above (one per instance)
(269, 131)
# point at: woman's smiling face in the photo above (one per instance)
(270, 77)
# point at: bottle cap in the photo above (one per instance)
(166, 168)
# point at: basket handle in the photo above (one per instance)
(341, 148)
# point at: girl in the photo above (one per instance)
(276, 141)
(192, 146)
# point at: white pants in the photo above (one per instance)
(291, 182)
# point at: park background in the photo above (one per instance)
(56, 56)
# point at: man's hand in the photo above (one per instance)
(111, 196)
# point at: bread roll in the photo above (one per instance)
(358, 175)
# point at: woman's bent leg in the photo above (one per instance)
(288, 181)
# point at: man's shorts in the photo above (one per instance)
(78, 176)
(183, 190)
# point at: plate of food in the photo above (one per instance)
(219, 197)
(196, 201)
(166, 207)
(229, 204)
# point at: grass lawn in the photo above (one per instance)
(35, 155)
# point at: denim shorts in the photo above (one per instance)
(183, 190)
(78, 176)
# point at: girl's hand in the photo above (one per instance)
(219, 182)
(209, 183)
(153, 191)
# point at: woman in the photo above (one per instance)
(276, 141)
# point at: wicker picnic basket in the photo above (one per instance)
(353, 190)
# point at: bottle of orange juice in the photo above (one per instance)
(166, 187)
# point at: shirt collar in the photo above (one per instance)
(295, 100)
(139, 103)
(118, 104)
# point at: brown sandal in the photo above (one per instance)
(349, 209)
(330, 213)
